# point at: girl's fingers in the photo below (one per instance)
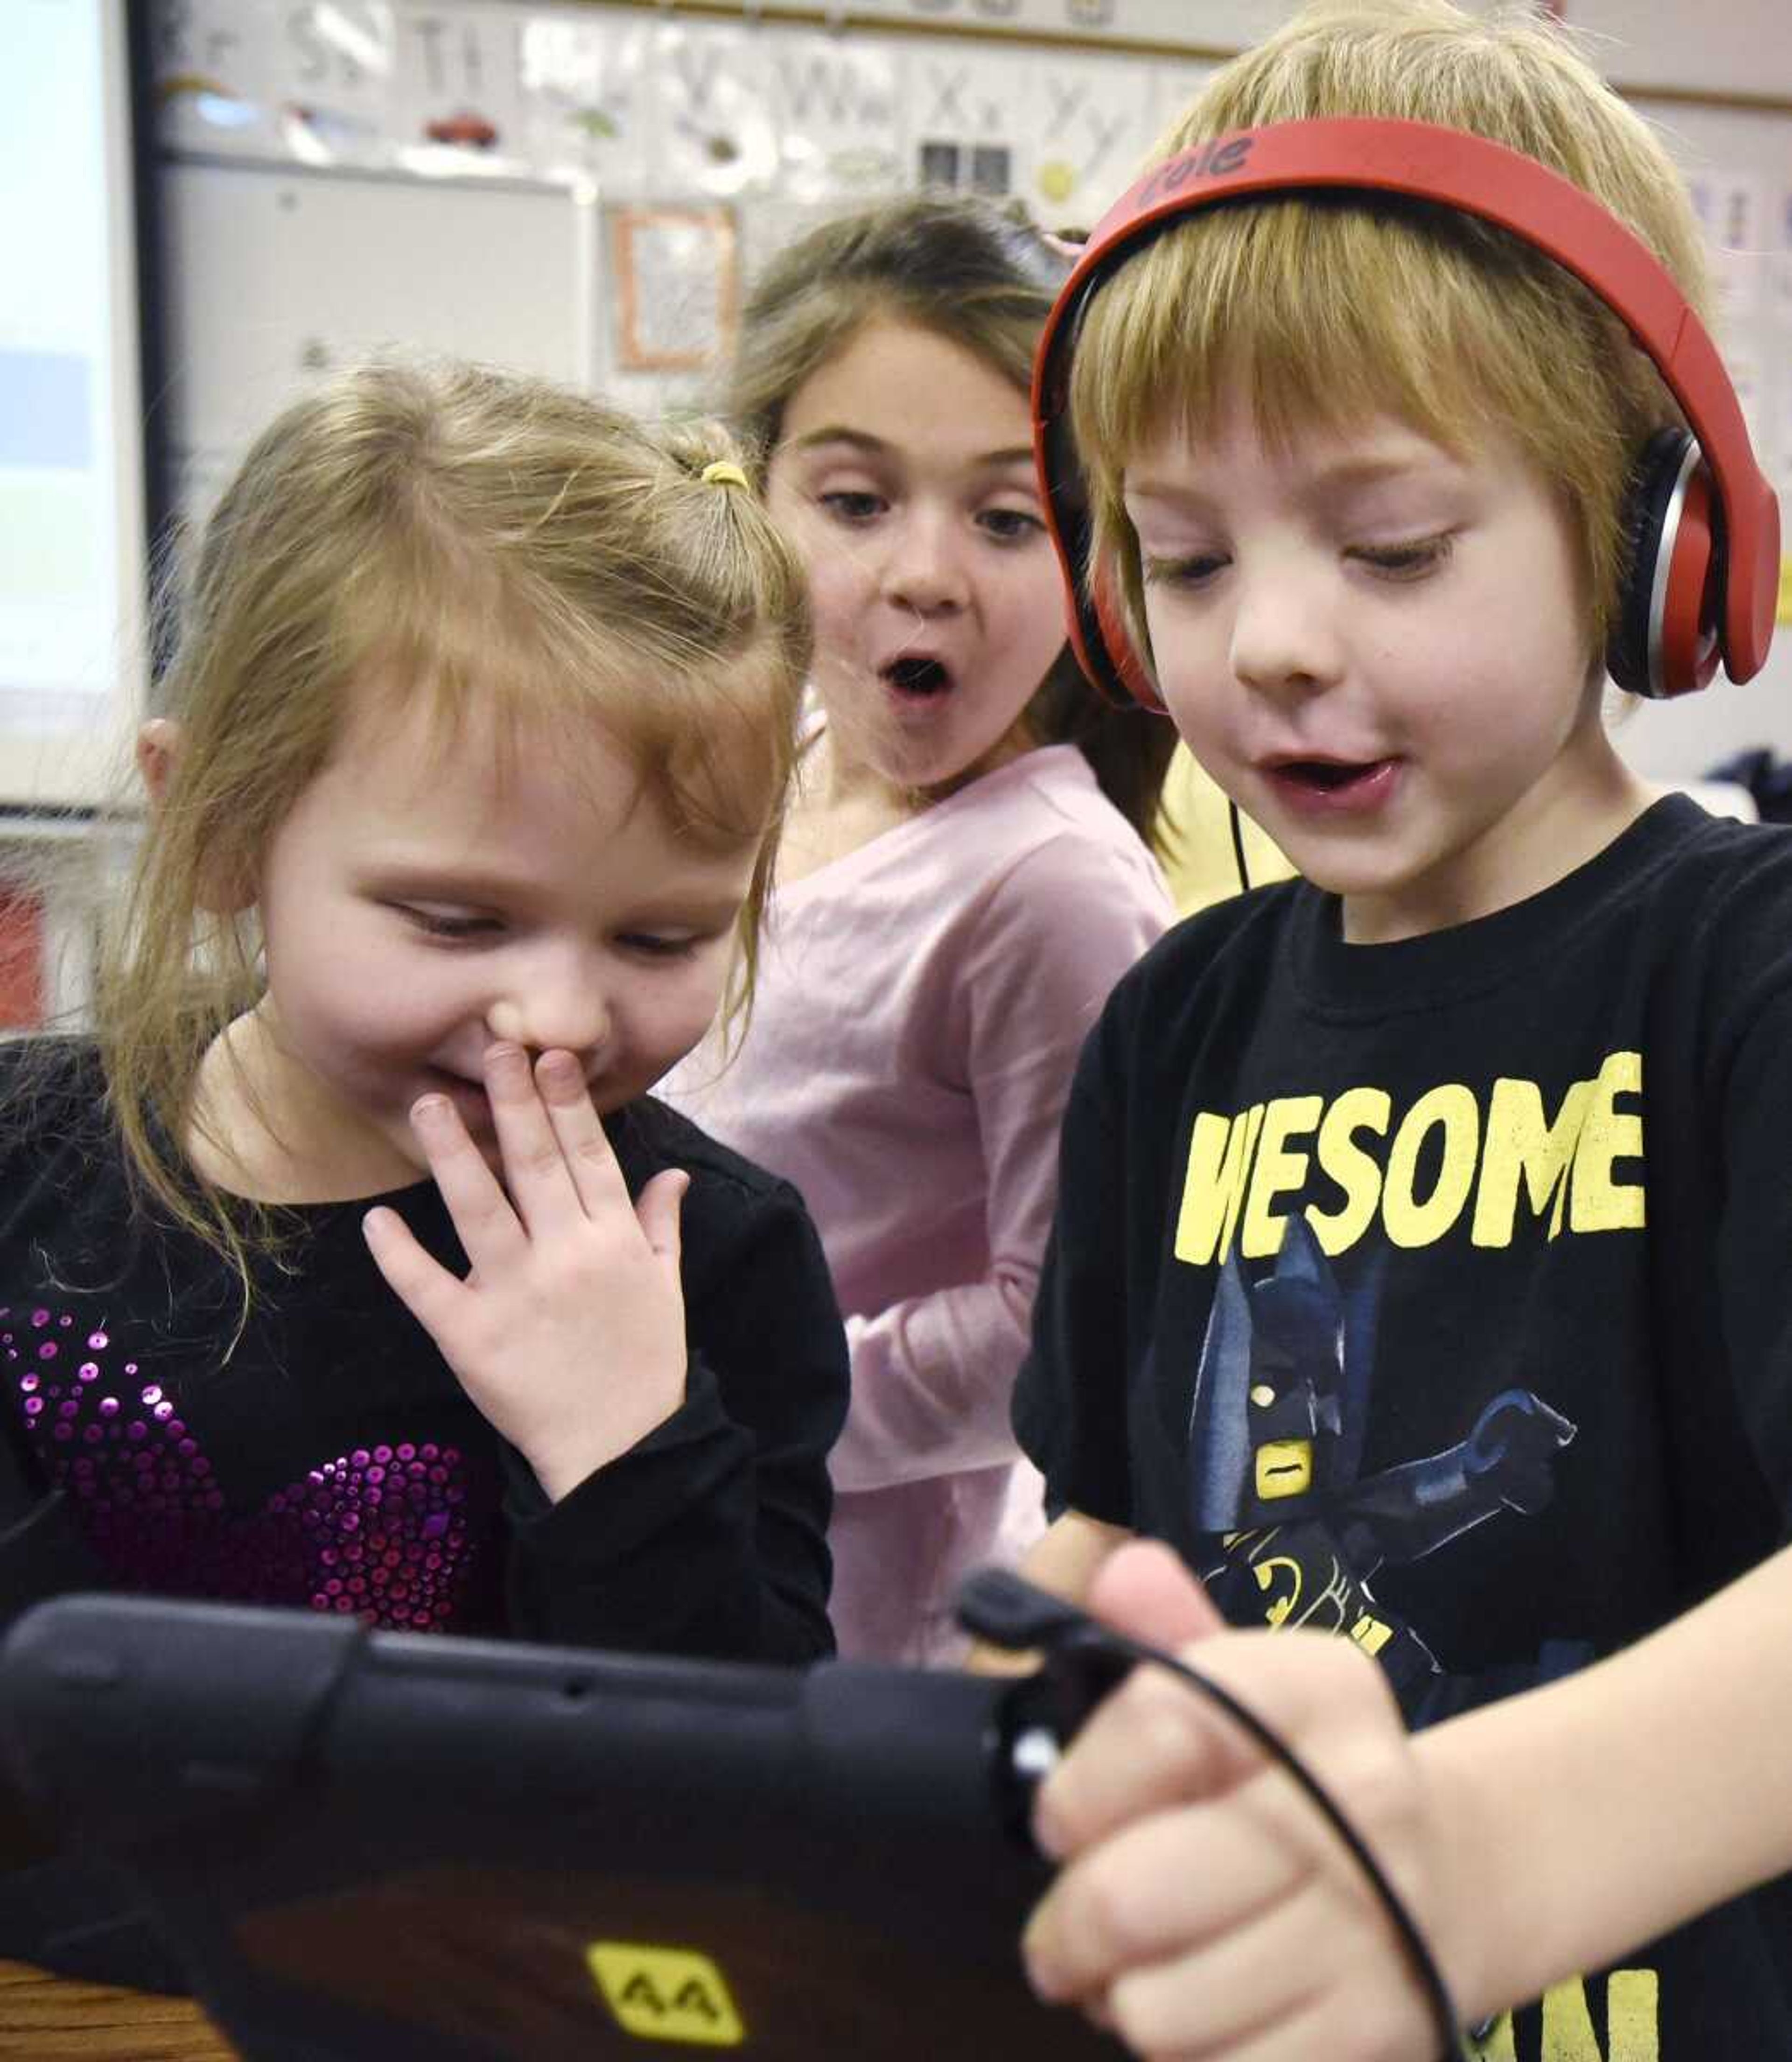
(585, 1152)
(482, 1215)
(426, 1288)
(536, 1169)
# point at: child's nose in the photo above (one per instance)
(558, 1010)
(1281, 639)
(925, 570)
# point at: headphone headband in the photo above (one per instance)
(1479, 178)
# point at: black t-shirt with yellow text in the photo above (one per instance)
(1435, 1294)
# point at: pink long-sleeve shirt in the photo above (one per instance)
(920, 1005)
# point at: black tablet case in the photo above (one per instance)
(386, 1845)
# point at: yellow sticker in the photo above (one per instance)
(665, 1993)
(1786, 590)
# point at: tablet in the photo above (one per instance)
(365, 1844)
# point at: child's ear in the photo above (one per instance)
(222, 890)
(158, 749)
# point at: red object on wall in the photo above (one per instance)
(21, 957)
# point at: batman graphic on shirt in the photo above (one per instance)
(1275, 1445)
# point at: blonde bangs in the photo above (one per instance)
(1321, 316)
(702, 702)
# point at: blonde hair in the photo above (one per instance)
(983, 278)
(492, 543)
(1328, 311)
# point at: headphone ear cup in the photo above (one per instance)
(1689, 639)
(1117, 647)
(1664, 639)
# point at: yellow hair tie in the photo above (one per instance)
(724, 472)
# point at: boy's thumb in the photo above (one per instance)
(1145, 1589)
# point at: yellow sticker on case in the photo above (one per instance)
(665, 1993)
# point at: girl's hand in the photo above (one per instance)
(569, 1332)
(1205, 1908)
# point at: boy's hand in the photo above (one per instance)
(569, 1332)
(1205, 1908)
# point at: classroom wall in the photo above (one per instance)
(1735, 46)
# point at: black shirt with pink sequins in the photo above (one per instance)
(327, 1458)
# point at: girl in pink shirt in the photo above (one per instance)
(962, 879)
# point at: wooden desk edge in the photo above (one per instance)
(44, 2018)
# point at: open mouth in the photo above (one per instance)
(919, 677)
(1329, 775)
(1353, 785)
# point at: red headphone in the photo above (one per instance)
(1703, 523)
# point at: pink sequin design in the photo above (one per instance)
(383, 1531)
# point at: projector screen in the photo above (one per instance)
(72, 506)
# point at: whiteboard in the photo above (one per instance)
(273, 275)
(72, 519)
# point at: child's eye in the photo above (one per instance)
(1010, 526)
(852, 506)
(1408, 560)
(653, 948)
(442, 924)
(1194, 570)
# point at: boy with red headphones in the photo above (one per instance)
(1420, 1267)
